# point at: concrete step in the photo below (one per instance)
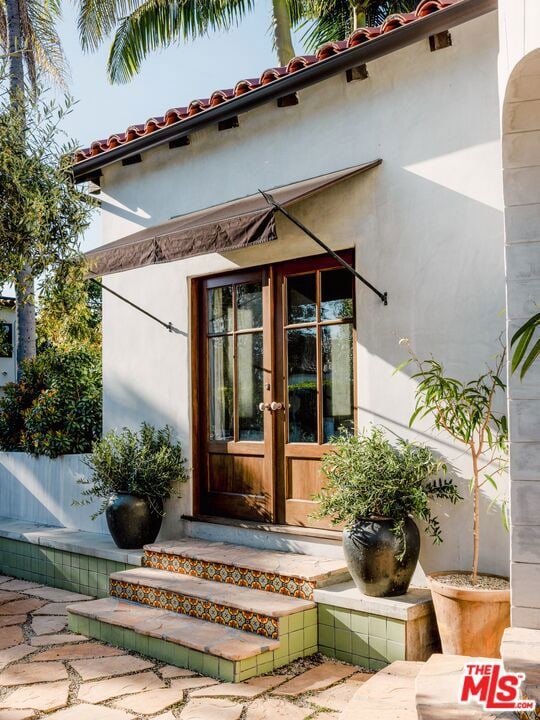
(388, 695)
(438, 688)
(277, 572)
(245, 608)
(520, 651)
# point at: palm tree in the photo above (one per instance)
(142, 26)
(29, 38)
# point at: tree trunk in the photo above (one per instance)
(358, 14)
(476, 519)
(281, 24)
(24, 283)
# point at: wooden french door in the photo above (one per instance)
(276, 383)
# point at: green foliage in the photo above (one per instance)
(145, 463)
(465, 411)
(369, 477)
(522, 339)
(55, 408)
(42, 212)
(69, 309)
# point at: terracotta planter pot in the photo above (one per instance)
(471, 621)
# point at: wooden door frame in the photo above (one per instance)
(271, 320)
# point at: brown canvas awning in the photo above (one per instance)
(229, 226)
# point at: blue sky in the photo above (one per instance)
(169, 78)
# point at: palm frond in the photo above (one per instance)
(43, 46)
(159, 23)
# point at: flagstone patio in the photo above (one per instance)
(44, 668)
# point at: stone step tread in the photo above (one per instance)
(388, 695)
(206, 637)
(520, 651)
(244, 598)
(318, 570)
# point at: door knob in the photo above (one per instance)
(275, 406)
(264, 406)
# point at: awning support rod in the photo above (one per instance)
(270, 200)
(169, 325)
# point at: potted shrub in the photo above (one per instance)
(376, 489)
(133, 472)
(472, 608)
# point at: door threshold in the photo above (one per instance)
(267, 527)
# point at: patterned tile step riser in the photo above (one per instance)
(294, 644)
(197, 608)
(221, 572)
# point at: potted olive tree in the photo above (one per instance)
(376, 488)
(472, 608)
(133, 473)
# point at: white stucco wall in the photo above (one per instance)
(426, 225)
(519, 79)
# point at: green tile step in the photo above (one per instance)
(244, 608)
(388, 695)
(206, 647)
(279, 572)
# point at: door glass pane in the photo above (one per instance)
(337, 359)
(220, 311)
(301, 298)
(220, 390)
(248, 306)
(249, 366)
(302, 384)
(336, 295)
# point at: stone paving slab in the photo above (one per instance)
(8, 596)
(100, 690)
(200, 709)
(152, 701)
(5, 578)
(249, 689)
(20, 607)
(276, 709)
(16, 714)
(191, 683)
(105, 667)
(10, 636)
(26, 673)
(52, 609)
(317, 678)
(83, 711)
(6, 620)
(61, 639)
(53, 594)
(18, 585)
(80, 651)
(339, 696)
(12, 654)
(43, 696)
(171, 671)
(48, 624)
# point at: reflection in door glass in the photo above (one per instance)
(220, 310)
(249, 349)
(220, 387)
(302, 384)
(337, 359)
(336, 295)
(302, 299)
(248, 306)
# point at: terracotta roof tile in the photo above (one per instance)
(178, 114)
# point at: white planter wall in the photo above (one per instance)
(41, 490)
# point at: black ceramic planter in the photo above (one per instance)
(371, 550)
(132, 520)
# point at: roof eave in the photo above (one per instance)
(371, 50)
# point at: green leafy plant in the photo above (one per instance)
(522, 339)
(465, 411)
(369, 477)
(55, 407)
(146, 463)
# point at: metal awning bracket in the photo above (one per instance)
(270, 200)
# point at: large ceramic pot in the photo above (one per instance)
(372, 550)
(471, 621)
(133, 521)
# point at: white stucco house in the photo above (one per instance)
(413, 151)
(8, 360)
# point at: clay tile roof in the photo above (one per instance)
(330, 49)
